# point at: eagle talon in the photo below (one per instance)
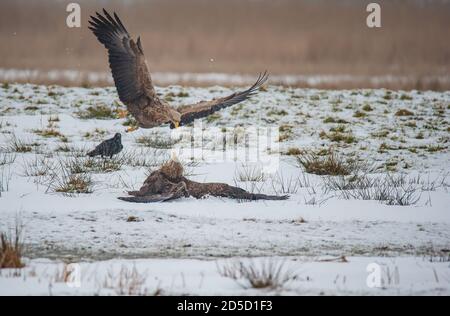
(132, 129)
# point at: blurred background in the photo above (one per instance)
(324, 44)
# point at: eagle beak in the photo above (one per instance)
(176, 124)
(122, 113)
(173, 156)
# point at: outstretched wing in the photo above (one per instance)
(126, 58)
(204, 108)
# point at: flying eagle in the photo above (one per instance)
(134, 84)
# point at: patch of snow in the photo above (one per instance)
(182, 234)
(399, 276)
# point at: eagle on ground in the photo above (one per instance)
(134, 84)
(168, 183)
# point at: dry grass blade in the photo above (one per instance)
(17, 145)
(388, 188)
(282, 184)
(66, 181)
(250, 173)
(5, 178)
(6, 158)
(258, 274)
(157, 141)
(127, 282)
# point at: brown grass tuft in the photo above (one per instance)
(293, 151)
(330, 164)
(404, 112)
(261, 274)
(11, 249)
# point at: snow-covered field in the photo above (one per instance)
(329, 231)
(405, 275)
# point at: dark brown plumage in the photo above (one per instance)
(134, 84)
(108, 148)
(168, 183)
